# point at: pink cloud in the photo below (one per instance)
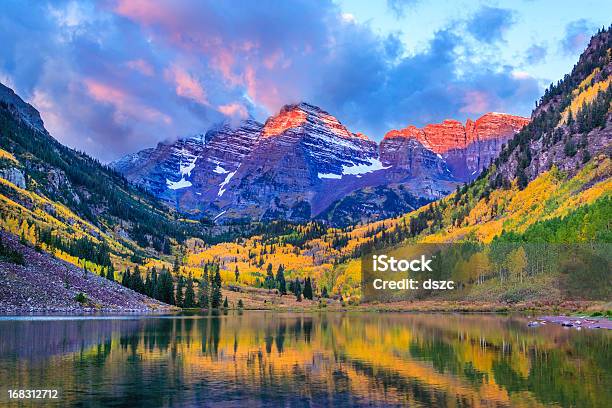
(187, 86)
(475, 102)
(234, 109)
(144, 11)
(141, 66)
(126, 107)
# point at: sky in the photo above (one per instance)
(111, 77)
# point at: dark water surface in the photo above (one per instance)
(285, 359)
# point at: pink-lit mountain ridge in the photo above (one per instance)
(303, 164)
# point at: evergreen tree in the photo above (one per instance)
(110, 273)
(189, 293)
(148, 284)
(216, 295)
(280, 280)
(237, 273)
(126, 280)
(166, 287)
(324, 293)
(180, 285)
(225, 303)
(240, 304)
(297, 289)
(137, 283)
(154, 287)
(269, 277)
(204, 298)
(176, 266)
(308, 289)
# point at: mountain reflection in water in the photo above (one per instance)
(289, 359)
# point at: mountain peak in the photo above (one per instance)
(452, 134)
(24, 111)
(304, 114)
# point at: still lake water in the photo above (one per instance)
(290, 359)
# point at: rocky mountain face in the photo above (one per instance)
(303, 164)
(465, 149)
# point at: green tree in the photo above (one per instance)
(280, 280)
(297, 289)
(189, 293)
(126, 279)
(240, 304)
(237, 273)
(225, 303)
(269, 277)
(110, 273)
(165, 287)
(204, 298)
(308, 289)
(137, 283)
(180, 286)
(216, 295)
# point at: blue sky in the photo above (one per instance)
(115, 76)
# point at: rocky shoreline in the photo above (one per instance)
(52, 286)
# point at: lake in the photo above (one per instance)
(291, 359)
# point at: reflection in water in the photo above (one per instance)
(264, 358)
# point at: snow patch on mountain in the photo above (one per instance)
(358, 169)
(220, 170)
(186, 166)
(224, 183)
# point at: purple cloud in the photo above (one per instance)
(577, 35)
(489, 23)
(115, 77)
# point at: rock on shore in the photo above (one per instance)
(49, 285)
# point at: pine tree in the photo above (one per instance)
(297, 289)
(237, 273)
(225, 303)
(216, 295)
(176, 266)
(308, 289)
(166, 287)
(126, 280)
(154, 287)
(324, 292)
(189, 293)
(280, 280)
(110, 273)
(180, 285)
(240, 304)
(148, 284)
(269, 277)
(204, 298)
(137, 284)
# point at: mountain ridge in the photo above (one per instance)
(310, 162)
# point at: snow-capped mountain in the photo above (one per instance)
(303, 163)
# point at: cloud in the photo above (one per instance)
(187, 85)
(577, 36)
(114, 77)
(488, 24)
(536, 54)
(398, 7)
(234, 110)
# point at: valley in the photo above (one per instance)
(263, 211)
